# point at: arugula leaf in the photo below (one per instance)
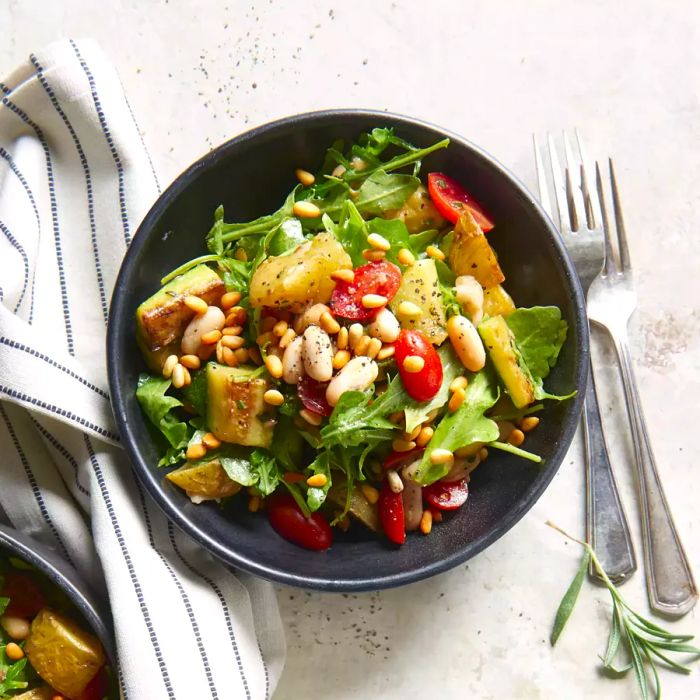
(235, 461)
(4, 602)
(12, 674)
(159, 407)
(197, 392)
(315, 496)
(418, 242)
(287, 444)
(355, 421)
(466, 425)
(267, 470)
(382, 192)
(288, 236)
(351, 231)
(236, 274)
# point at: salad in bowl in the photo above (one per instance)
(349, 358)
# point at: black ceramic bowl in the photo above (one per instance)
(62, 575)
(251, 175)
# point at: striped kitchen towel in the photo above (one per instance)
(75, 180)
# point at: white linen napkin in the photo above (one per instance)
(75, 181)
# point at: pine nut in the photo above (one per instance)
(169, 366)
(483, 454)
(232, 330)
(386, 352)
(342, 340)
(317, 481)
(458, 383)
(287, 338)
(355, 332)
(317, 353)
(190, 361)
(310, 317)
(469, 451)
(374, 301)
(456, 400)
(311, 417)
(378, 242)
(394, 481)
(237, 316)
(372, 255)
(242, 355)
(273, 397)
(267, 324)
(370, 493)
(466, 342)
(228, 356)
(202, 324)
(407, 309)
(211, 442)
(199, 306)
(178, 376)
(435, 252)
(305, 177)
(219, 353)
(340, 359)
(292, 361)
(230, 299)
(241, 255)
(280, 328)
(328, 323)
(426, 522)
(413, 434)
(306, 210)
(211, 337)
(357, 375)
(441, 456)
(373, 347)
(233, 341)
(344, 275)
(517, 437)
(401, 445)
(529, 423)
(188, 376)
(362, 345)
(14, 652)
(16, 627)
(424, 436)
(196, 451)
(385, 326)
(254, 504)
(406, 257)
(274, 366)
(413, 364)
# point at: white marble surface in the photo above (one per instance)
(627, 74)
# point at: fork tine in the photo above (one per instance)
(574, 192)
(609, 266)
(559, 189)
(590, 195)
(619, 222)
(542, 179)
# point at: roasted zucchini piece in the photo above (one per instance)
(236, 410)
(360, 508)
(206, 480)
(497, 302)
(418, 212)
(471, 254)
(64, 655)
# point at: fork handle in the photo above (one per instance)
(670, 583)
(606, 524)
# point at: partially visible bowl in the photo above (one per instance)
(251, 174)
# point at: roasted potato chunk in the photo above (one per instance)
(206, 481)
(418, 212)
(471, 254)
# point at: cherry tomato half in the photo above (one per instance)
(97, 688)
(423, 385)
(451, 199)
(391, 514)
(446, 496)
(26, 598)
(289, 522)
(380, 277)
(313, 395)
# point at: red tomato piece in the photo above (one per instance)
(97, 688)
(451, 199)
(26, 598)
(391, 514)
(313, 395)
(398, 460)
(446, 496)
(382, 277)
(286, 518)
(423, 385)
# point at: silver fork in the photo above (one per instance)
(611, 302)
(581, 228)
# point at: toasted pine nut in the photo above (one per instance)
(469, 450)
(394, 481)
(317, 481)
(529, 423)
(385, 326)
(456, 400)
(230, 299)
(413, 434)
(357, 375)
(273, 397)
(274, 366)
(228, 356)
(341, 358)
(435, 252)
(293, 477)
(188, 376)
(373, 255)
(254, 504)
(199, 326)
(517, 437)
(362, 345)
(342, 340)
(233, 341)
(406, 257)
(483, 454)
(386, 352)
(219, 352)
(466, 342)
(190, 361)
(287, 338)
(458, 383)
(237, 316)
(424, 436)
(441, 456)
(199, 306)
(401, 445)
(267, 324)
(306, 210)
(344, 275)
(265, 339)
(407, 309)
(169, 365)
(280, 328)
(305, 177)
(196, 451)
(242, 355)
(426, 522)
(178, 376)
(374, 301)
(370, 493)
(413, 364)
(311, 417)
(328, 323)
(211, 442)
(378, 242)
(14, 652)
(232, 330)
(16, 627)
(211, 337)
(373, 347)
(355, 332)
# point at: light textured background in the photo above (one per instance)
(628, 75)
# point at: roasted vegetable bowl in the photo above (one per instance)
(344, 364)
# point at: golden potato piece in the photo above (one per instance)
(418, 212)
(300, 278)
(471, 254)
(497, 302)
(207, 480)
(64, 655)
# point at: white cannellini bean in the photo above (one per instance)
(357, 375)
(470, 294)
(212, 320)
(292, 363)
(385, 326)
(317, 353)
(16, 627)
(412, 497)
(466, 343)
(310, 316)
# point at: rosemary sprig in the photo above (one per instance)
(646, 643)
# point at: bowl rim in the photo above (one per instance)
(147, 475)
